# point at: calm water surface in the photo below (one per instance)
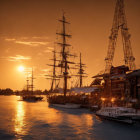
(21, 120)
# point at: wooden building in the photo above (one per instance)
(118, 80)
(121, 83)
(133, 84)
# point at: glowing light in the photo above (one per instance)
(21, 68)
(113, 99)
(103, 99)
(19, 119)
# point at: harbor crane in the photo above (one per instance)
(120, 23)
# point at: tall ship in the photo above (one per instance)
(63, 97)
(28, 94)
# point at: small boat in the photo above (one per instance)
(31, 98)
(120, 114)
(29, 94)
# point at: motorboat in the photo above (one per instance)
(120, 114)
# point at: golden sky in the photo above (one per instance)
(28, 32)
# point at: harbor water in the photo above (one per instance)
(20, 120)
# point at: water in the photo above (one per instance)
(21, 120)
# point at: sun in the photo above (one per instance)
(21, 68)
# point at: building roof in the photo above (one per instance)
(118, 76)
(85, 89)
(134, 73)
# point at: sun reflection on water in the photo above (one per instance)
(41, 118)
(19, 119)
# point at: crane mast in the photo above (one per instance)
(120, 22)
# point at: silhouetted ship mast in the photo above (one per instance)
(53, 77)
(81, 73)
(64, 54)
(30, 82)
(27, 80)
(30, 88)
(64, 63)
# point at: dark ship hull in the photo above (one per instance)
(31, 98)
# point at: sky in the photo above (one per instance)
(28, 32)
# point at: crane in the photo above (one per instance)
(120, 23)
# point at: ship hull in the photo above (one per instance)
(68, 106)
(117, 119)
(31, 98)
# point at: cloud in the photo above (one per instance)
(29, 41)
(49, 49)
(42, 75)
(18, 58)
(10, 39)
(38, 37)
(45, 70)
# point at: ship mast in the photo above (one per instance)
(64, 52)
(53, 77)
(32, 82)
(81, 73)
(27, 80)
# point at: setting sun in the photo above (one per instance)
(21, 68)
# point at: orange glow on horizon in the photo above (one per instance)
(29, 42)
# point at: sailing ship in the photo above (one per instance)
(65, 99)
(29, 94)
